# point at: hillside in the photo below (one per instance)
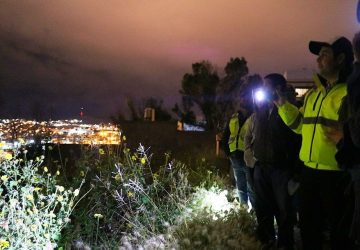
(162, 137)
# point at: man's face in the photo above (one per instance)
(326, 62)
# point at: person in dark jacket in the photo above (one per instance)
(348, 155)
(275, 150)
(233, 146)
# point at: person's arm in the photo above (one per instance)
(248, 138)
(292, 116)
(248, 141)
(289, 113)
(225, 140)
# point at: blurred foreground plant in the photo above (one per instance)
(207, 229)
(33, 208)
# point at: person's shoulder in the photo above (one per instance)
(342, 85)
(341, 88)
(250, 117)
(313, 90)
(233, 117)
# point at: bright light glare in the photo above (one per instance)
(259, 95)
(214, 199)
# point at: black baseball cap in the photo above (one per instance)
(341, 45)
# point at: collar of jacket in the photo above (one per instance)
(320, 83)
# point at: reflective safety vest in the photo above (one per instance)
(237, 133)
(319, 115)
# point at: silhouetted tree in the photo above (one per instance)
(228, 92)
(160, 113)
(185, 114)
(200, 88)
(134, 114)
(137, 109)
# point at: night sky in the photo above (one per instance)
(59, 56)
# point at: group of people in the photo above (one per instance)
(288, 159)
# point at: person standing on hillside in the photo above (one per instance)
(274, 149)
(233, 146)
(348, 155)
(319, 121)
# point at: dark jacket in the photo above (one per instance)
(354, 103)
(348, 154)
(274, 143)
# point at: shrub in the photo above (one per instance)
(213, 219)
(129, 197)
(136, 205)
(33, 208)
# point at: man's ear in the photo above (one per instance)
(340, 59)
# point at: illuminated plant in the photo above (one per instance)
(33, 208)
(152, 200)
(130, 197)
(136, 205)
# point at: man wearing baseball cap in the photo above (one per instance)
(320, 122)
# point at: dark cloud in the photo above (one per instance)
(35, 76)
(32, 74)
(42, 57)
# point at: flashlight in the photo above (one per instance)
(263, 94)
(260, 95)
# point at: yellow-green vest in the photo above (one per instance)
(319, 114)
(237, 134)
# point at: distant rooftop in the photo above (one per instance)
(301, 83)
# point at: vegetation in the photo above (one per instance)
(229, 89)
(136, 205)
(199, 87)
(217, 98)
(136, 110)
(34, 208)
(128, 203)
(130, 200)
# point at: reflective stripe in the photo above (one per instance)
(297, 122)
(321, 120)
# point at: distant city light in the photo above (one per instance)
(17, 132)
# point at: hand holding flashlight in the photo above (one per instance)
(263, 94)
(281, 98)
